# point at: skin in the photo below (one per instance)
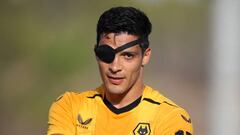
(123, 78)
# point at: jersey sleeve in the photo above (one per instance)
(177, 122)
(60, 117)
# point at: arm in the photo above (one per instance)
(60, 117)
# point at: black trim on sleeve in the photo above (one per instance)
(96, 95)
(152, 101)
(123, 109)
(169, 103)
(186, 119)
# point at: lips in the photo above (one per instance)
(115, 80)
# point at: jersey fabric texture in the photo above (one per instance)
(89, 113)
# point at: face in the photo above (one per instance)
(125, 72)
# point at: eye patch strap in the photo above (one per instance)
(127, 45)
(107, 54)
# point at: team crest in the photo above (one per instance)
(142, 129)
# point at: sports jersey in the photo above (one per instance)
(89, 113)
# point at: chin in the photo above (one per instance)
(115, 89)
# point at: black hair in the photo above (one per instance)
(125, 19)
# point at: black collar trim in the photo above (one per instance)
(123, 109)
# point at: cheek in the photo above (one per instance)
(133, 69)
(102, 67)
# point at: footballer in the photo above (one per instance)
(123, 104)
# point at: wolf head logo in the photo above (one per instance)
(142, 129)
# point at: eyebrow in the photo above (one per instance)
(129, 51)
(106, 35)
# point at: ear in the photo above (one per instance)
(146, 56)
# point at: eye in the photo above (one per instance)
(127, 55)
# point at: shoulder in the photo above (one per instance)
(165, 105)
(71, 102)
(170, 116)
(157, 97)
(64, 111)
(81, 94)
(73, 99)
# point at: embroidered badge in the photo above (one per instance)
(142, 129)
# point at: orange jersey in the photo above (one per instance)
(89, 113)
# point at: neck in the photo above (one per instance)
(129, 96)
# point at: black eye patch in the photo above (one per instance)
(107, 54)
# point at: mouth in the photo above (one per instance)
(115, 79)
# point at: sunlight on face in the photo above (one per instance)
(125, 71)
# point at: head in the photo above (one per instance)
(122, 48)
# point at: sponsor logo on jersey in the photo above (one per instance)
(142, 129)
(83, 123)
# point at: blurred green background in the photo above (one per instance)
(47, 48)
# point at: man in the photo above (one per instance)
(123, 104)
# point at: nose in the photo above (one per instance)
(115, 66)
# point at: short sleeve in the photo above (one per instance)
(60, 120)
(177, 122)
